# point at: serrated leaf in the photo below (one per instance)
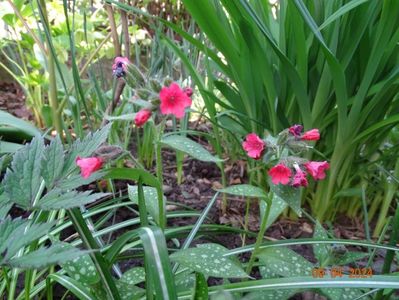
(22, 181)
(85, 147)
(245, 190)
(55, 254)
(23, 235)
(285, 262)
(5, 205)
(53, 161)
(75, 181)
(321, 251)
(7, 227)
(150, 196)
(57, 199)
(208, 262)
(290, 195)
(81, 268)
(189, 147)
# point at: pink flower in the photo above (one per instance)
(280, 174)
(88, 165)
(317, 169)
(174, 100)
(299, 178)
(296, 130)
(188, 91)
(254, 145)
(142, 117)
(311, 135)
(119, 68)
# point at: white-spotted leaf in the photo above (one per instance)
(290, 195)
(189, 147)
(285, 262)
(245, 190)
(150, 196)
(208, 262)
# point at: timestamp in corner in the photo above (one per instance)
(338, 272)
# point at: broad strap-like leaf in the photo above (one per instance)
(150, 196)
(208, 262)
(189, 147)
(74, 286)
(285, 262)
(321, 251)
(22, 181)
(57, 199)
(53, 161)
(159, 271)
(81, 268)
(245, 190)
(201, 287)
(290, 195)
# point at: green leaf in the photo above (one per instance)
(55, 254)
(75, 181)
(185, 281)
(85, 148)
(208, 262)
(159, 271)
(17, 234)
(22, 181)
(129, 291)
(342, 294)
(9, 120)
(81, 268)
(322, 252)
(349, 257)
(134, 275)
(150, 196)
(8, 147)
(57, 199)
(200, 288)
(290, 195)
(285, 262)
(189, 147)
(133, 174)
(245, 190)
(72, 285)
(278, 206)
(272, 295)
(5, 205)
(53, 161)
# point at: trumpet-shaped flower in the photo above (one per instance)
(311, 135)
(317, 169)
(89, 165)
(254, 146)
(280, 173)
(174, 100)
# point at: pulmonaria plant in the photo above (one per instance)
(288, 167)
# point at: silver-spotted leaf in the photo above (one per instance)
(245, 190)
(189, 147)
(208, 262)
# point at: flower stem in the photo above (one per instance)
(161, 202)
(261, 234)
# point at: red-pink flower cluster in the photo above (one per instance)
(281, 173)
